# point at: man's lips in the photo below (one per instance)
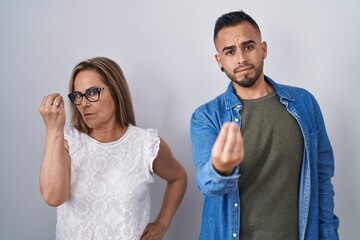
(242, 68)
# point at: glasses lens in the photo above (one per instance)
(75, 97)
(93, 94)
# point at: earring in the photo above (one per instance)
(222, 69)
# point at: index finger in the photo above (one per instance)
(221, 138)
(232, 138)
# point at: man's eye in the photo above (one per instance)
(249, 47)
(230, 52)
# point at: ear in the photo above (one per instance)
(218, 60)
(264, 49)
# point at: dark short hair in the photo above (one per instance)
(233, 18)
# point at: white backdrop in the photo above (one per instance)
(166, 52)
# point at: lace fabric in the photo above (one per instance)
(110, 186)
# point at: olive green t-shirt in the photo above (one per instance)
(270, 172)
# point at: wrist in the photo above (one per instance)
(222, 170)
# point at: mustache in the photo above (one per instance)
(239, 67)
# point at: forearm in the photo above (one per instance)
(212, 184)
(173, 196)
(55, 169)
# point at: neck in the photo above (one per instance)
(108, 134)
(260, 89)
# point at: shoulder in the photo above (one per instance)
(71, 133)
(296, 91)
(292, 93)
(218, 100)
(209, 108)
(300, 98)
(143, 132)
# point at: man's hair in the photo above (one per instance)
(117, 85)
(232, 19)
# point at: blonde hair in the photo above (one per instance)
(115, 81)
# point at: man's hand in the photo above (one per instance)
(228, 149)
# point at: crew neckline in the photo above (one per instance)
(113, 142)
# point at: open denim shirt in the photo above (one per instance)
(221, 210)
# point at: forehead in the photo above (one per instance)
(240, 32)
(87, 78)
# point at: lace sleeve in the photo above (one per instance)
(153, 148)
(71, 135)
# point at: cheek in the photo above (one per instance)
(229, 63)
(80, 109)
(109, 106)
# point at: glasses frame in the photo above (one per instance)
(72, 98)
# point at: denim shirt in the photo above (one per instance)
(221, 210)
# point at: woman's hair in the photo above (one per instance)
(115, 81)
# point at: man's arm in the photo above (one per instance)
(328, 221)
(217, 153)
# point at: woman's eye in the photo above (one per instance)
(77, 95)
(93, 92)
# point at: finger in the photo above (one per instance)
(239, 140)
(49, 100)
(221, 140)
(144, 234)
(238, 151)
(57, 101)
(230, 143)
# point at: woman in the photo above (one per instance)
(98, 171)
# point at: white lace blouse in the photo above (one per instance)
(110, 192)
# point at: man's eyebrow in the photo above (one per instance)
(247, 42)
(228, 48)
(242, 44)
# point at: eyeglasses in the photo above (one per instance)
(92, 95)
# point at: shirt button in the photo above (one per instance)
(236, 119)
(236, 205)
(234, 235)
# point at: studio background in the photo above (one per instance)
(166, 51)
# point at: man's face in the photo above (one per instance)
(241, 53)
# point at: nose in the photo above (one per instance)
(84, 102)
(241, 57)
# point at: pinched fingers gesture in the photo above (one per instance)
(228, 149)
(53, 112)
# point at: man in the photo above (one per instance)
(262, 155)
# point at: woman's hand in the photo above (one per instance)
(154, 231)
(52, 111)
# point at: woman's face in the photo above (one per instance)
(98, 114)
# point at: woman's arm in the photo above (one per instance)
(55, 169)
(168, 168)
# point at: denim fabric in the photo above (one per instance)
(221, 210)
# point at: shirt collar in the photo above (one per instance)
(232, 100)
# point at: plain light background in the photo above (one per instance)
(166, 51)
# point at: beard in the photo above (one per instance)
(248, 80)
